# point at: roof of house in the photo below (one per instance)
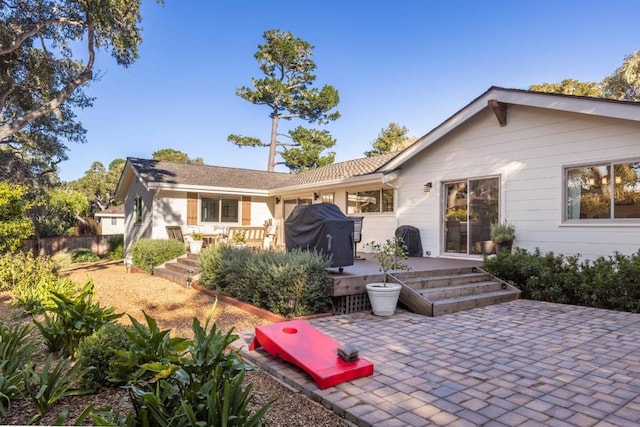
(112, 211)
(164, 173)
(498, 99)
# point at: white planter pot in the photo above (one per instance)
(383, 298)
(195, 246)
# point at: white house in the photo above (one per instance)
(111, 220)
(565, 170)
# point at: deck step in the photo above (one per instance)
(446, 291)
(467, 302)
(453, 291)
(446, 280)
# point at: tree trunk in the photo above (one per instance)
(274, 142)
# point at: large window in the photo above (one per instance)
(370, 201)
(603, 191)
(214, 209)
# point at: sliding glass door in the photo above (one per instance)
(470, 206)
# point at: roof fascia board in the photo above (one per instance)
(208, 189)
(374, 178)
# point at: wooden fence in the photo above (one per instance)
(98, 244)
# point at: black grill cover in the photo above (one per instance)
(323, 228)
(411, 237)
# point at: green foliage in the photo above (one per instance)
(56, 210)
(84, 255)
(608, 282)
(116, 247)
(99, 350)
(15, 226)
(148, 253)
(16, 348)
(624, 83)
(147, 344)
(269, 279)
(570, 87)
(173, 155)
(35, 298)
(53, 383)
(286, 89)
(98, 185)
(502, 232)
(48, 53)
(78, 317)
(202, 387)
(308, 145)
(20, 268)
(52, 332)
(390, 255)
(392, 138)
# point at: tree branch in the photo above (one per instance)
(50, 106)
(15, 44)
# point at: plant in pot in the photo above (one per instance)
(196, 242)
(390, 256)
(503, 234)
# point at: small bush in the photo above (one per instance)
(99, 349)
(116, 247)
(148, 253)
(25, 269)
(77, 317)
(84, 255)
(269, 280)
(62, 260)
(35, 298)
(53, 383)
(16, 348)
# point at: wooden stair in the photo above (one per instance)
(182, 270)
(438, 292)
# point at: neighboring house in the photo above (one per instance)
(564, 169)
(111, 220)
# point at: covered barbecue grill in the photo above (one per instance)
(321, 227)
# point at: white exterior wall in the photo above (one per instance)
(135, 231)
(108, 228)
(529, 156)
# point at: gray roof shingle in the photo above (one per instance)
(163, 172)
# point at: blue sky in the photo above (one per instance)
(410, 62)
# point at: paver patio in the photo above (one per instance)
(514, 364)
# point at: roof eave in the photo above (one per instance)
(373, 178)
(568, 103)
(207, 189)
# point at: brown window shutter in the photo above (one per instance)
(192, 208)
(246, 210)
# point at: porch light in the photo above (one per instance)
(316, 196)
(428, 186)
(277, 200)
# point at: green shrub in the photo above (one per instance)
(116, 247)
(203, 385)
(147, 344)
(148, 253)
(25, 269)
(53, 383)
(62, 260)
(78, 317)
(84, 255)
(269, 279)
(99, 349)
(35, 298)
(52, 332)
(16, 348)
(607, 282)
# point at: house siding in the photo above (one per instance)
(134, 230)
(528, 155)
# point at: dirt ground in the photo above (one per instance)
(174, 307)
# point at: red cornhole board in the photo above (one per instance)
(297, 342)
